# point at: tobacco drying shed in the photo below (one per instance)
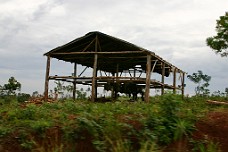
(113, 57)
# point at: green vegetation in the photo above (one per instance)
(202, 81)
(114, 126)
(219, 43)
(11, 87)
(81, 125)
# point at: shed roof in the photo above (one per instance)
(112, 52)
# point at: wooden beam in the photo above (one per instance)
(47, 78)
(82, 72)
(163, 78)
(152, 70)
(116, 52)
(74, 81)
(68, 77)
(148, 72)
(88, 45)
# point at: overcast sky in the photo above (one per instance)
(176, 30)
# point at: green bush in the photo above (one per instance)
(5, 99)
(23, 97)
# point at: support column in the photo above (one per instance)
(94, 80)
(112, 89)
(174, 80)
(183, 85)
(148, 72)
(116, 82)
(94, 86)
(47, 78)
(74, 83)
(163, 78)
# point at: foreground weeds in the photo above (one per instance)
(85, 126)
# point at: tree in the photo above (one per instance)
(219, 43)
(1, 91)
(12, 86)
(35, 94)
(202, 81)
(81, 94)
(59, 88)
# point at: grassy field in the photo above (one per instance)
(113, 126)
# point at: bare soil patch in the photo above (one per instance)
(214, 128)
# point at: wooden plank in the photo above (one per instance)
(217, 102)
(47, 78)
(68, 77)
(148, 72)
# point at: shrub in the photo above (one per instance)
(23, 97)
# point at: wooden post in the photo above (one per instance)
(47, 78)
(183, 85)
(112, 89)
(134, 72)
(96, 84)
(174, 80)
(94, 81)
(74, 82)
(94, 87)
(148, 72)
(163, 78)
(116, 87)
(117, 71)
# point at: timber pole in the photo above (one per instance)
(47, 78)
(163, 78)
(94, 81)
(74, 82)
(112, 88)
(174, 80)
(183, 85)
(116, 88)
(148, 73)
(93, 97)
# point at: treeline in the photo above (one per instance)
(11, 90)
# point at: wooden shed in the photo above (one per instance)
(113, 57)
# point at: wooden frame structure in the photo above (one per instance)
(114, 56)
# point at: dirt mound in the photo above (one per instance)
(214, 128)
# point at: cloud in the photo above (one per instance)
(175, 30)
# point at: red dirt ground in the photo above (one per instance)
(214, 127)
